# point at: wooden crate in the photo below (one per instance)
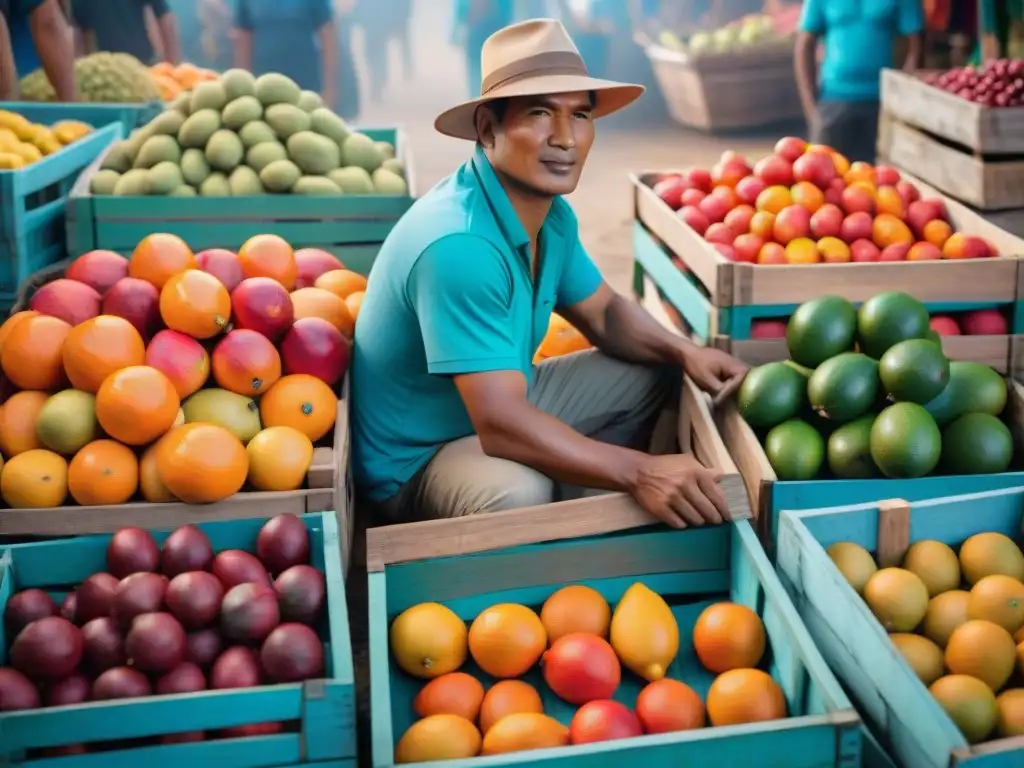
(725, 297)
(886, 691)
(608, 543)
(321, 713)
(769, 495)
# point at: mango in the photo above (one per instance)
(644, 633)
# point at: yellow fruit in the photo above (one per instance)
(28, 152)
(644, 633)
(987, 553)
(923, 656)
(575, 609)
(67, 131)
(898, 598)
(7, 138)
(36, 479)
(936, 565)
(428, 640)
(505, 640)
(11, 161)
(1010, 705)
(854, 562)
(969, 703)
(945, 613)
(522, 731)
(438, 737)
(983, 650)
(999, 599)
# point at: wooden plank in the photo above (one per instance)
(893, 532)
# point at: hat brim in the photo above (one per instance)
(459, 122)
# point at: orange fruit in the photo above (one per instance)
(745, 696)
(561, 338)
(150, 485)
(668, 705)
(136, 405)
(36, 479)
(507, 697)
(889, 201)
(246, 362)
(575, 608)
(522, 731)
(300, 401)
(18, 422)
(841, 163)
(202, 463)
(888, 230)
(802, 250)
(12, 321)
(999, 599)
(195, 303)
(936, 232)
(455, 693)
(317, 302)
(103, 472)
(158, 257)
(773, 199)
(859, 171)
(341, 282)
(804, 193)
(1011, 712)
(728, 636)
(982, 649)
(279, 459)
(969, 704)
(507, 639)
(269, 256)
(96, 348)
(32, 353)
(1018, 636)
(438, 737)
(428, 640)
(354, 302)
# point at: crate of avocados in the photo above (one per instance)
(584, 633)
(171, 648)
(856, 406)
(915, 607)
(730, 251)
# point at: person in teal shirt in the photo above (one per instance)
(841, 101)
(475, 21)
(450, 416)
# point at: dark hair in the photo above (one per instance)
(499, 107)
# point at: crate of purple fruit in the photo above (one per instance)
(221, 644)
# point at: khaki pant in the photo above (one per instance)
(600, 397)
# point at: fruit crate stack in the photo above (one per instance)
(962, 131)
(237, 157)
(225, 643)
(916, 607)
(643, 636)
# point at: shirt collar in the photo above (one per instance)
(504, 213)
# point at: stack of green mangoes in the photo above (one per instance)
(243, 135)
(869, 393)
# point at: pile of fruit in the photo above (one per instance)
(753, 30)
(958, 620)
(806, 204)
(239, 135)
(23, 142)
(172, 375)
(581, 646)
(171, 80)
(176, 619)
(869, 393)
(100, 77)
(995, 83)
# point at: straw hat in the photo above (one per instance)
(533, 58)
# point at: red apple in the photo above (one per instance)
(698, 178)
(768, 329)
(856, 199)
(670, 190)
(908, 193)
(729, 172)
(314, 346)
(774, 171)
(748, 188)
(747, 247)
(714, 207)
(720, 233)
(692, 197)
(920, 212)
(944, 325)
(886, 176)
(790, 148)
(792, 222)
(738, 219)
(262, 304)
(856, 226)
(726, 250)
(984, 322)
(222, 264)
(313, 262)
(895, 252)
(695, 218)
(864, 250)
(834, 193)
(827, 221)
(815, 167)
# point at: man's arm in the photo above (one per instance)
(805, 60)
(910, 24)
(242, 35)
(323, 23)
(54, 44)
(8, 72)
(167, 30)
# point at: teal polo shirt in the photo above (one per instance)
(451, 292)
(858, 37)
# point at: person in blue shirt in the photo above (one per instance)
(40, 35)
(475, 21)
(841, 102)
(450, 416)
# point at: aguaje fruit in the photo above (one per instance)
(995, 665)
(25, 607)
(603, 721)
(47, 649)
(292, 653)
(248, 612)
(428, 640)
(935, 564)
(976, 444)
(120, 683)
(581, 667)
(300, 594)
(155, 643)
(897, 597)
(438, 737)
(728, 636)
(668, 705)
(969, 703)
(795, 449)
(745, 696)
(505, 640)
(820, 329)
(132, 550)
(202, 463)
(187, 549)
(575, 608)
(523, 731)
(137, 594)
(854, 562)
(914, 370)
(283, 541)
(194, 598)
(16, 691)
(507, 697)
(234, 567)
(237, 667)
(844, 387)
(771, 394)
(923, 656)
(905, 441)
(888, 318)
(103, 645)
(453, 694)
(136, 405)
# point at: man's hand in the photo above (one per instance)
(680, 490)
(711, 368)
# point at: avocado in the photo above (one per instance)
(889, 318)
(795, 450)
(844, 387)
(821, 328)
(849, 450)
(771, 394)
(803, 370)
(915, 370)
(976, 444)
(972, 388)
(905, 441)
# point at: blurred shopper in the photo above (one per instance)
(121, 26)
(347, 77)
(475, 21)
(190, 30)
(1001, 32)
(374, 17)
(40, 35)
(294, 37)
(8, 73)
(841, 103)
(216, 18)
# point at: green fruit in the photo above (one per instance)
(103, 182)
(849, 450)
(208, 95)
(215, 185)
(386, 182)
(309, 101)
(238, 83)
(803, 370)
(255, 133)
(273, 88)
(183, 191)
(244, 181)
(352, 180)
(820, 329)
(795, 450)
(915, 370)
(972, 388)
(328, 124)
(224, 151)
(280, 176)
(286, 120)
(242, 110)
(843, 387)
(194, 167)
(771, 394)
(158, 149)
(394, 165)
(238, 414)
(119, 158)
(263, 154)
(315, 185)
(164, 178)
(386, 149)
(182, 104)
(196, 130)
(67, 421)
(314, 154)
(360, 150)
(887, 319)
(132, 184)
(905, 441)
(976, 444)
(167, 123)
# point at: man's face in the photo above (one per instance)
(541, 142)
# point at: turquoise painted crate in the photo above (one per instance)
(350, 226)
(322, 710)
(129, 115)
(717, 297)
(32, 215)
(893, 701)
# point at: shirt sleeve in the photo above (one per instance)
(243, 18)
(580, 278)
(911, 17)
(160, 7)
(461, 290)
(812, 16)
(321, 13)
